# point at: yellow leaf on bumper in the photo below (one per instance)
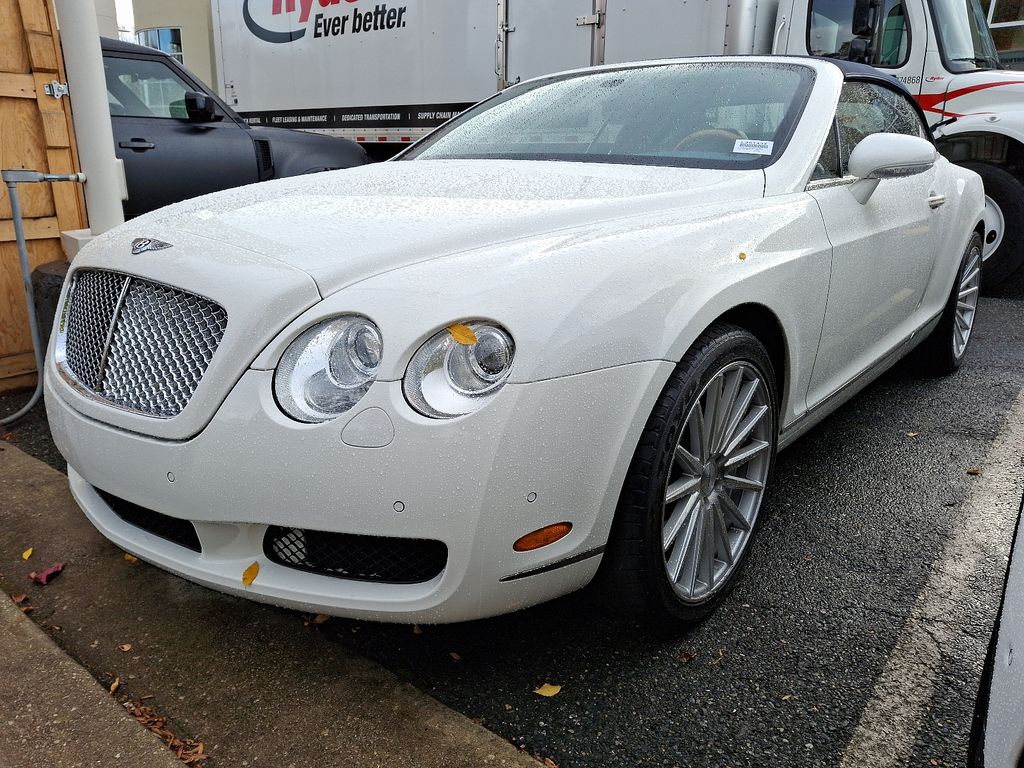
(250, 573)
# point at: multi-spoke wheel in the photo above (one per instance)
(944, 350)
(966, 301)
(690, 504)
(717, 481)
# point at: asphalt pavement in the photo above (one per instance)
(816, 655)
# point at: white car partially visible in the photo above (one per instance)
(568, 331)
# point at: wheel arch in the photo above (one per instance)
(765, 326)
(984, 147)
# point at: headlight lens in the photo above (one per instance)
(458, 370)
(328, 369)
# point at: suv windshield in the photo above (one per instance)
(964, 35)
(727, 115)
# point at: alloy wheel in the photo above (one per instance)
(717, 481)
(967, 301)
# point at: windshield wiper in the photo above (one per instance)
(980, 61)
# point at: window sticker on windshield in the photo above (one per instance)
(753, 147)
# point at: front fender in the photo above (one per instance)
(609, 294)
(1008, 123)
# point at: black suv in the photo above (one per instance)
(179, 140)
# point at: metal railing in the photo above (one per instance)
(12, 178)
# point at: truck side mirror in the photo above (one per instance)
(864, 18)
(860, 50)
(201, 108)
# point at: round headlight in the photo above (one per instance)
(458, 370)
(328, 368)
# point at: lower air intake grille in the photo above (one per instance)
(180, 532)
(362, 558)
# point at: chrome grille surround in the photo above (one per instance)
(138, 345)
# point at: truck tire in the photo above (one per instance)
(1004, 193)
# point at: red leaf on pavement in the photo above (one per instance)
(43, 577)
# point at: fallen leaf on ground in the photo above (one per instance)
(913, 434)
(719, 657)
(27, 553)
(130, 558)
(9, 437)
(44, 577)
(27, 608)
(250, 573)
(455, 656)
(416, 630)
(115, 685)
(320, 618)
(787, 697)
(973, 471)
(19, 599)
(189, 751)
(548, 690)
(687, 656)
(124, 647)
(549, 763)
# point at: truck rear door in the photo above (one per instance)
(544, 37)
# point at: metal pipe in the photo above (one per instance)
(80, 40)
(12, 178)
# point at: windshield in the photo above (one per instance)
(964, 35)
(727, 115)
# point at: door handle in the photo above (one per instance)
(139, 145)
(935, 201)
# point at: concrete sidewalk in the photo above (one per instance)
(251, 682)
(53, 713)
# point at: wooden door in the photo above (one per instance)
(35, 133)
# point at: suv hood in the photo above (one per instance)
(344, 226)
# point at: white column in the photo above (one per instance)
(80, 39)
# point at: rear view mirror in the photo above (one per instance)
(887, 156)
(201, 108)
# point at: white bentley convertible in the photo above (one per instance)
(566, 332)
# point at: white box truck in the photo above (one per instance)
(385, 72)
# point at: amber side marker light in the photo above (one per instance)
(549, 534)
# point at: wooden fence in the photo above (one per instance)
(36, 133)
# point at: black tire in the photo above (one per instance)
(1007, 192)
(634, 569)
(938, 354)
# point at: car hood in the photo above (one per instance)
(345, 226)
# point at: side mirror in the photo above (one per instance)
(887, 156)
(201, 108)
(864, 17)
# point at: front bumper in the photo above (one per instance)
(565, 443)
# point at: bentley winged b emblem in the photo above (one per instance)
(140, 244)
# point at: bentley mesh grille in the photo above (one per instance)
(140, 345)
(363, 558)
